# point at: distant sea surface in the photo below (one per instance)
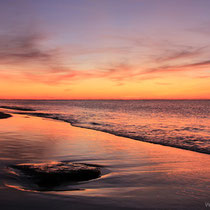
(178, 123)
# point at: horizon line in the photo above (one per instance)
(111, 99)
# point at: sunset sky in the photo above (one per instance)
(105, 49)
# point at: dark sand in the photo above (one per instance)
(4, 116)
(137, 175)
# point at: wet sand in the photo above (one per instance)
(137, 175)
(4, 116)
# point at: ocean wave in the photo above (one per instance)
(169, 130)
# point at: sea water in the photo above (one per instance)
(178, 123)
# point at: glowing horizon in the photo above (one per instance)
(127, 49)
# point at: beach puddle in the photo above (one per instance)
(52, 176)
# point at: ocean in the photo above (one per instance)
(177, 123)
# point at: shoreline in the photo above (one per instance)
(139, 172)
(72, 123)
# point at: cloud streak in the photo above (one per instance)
(25, 48)
(119, 74)
(179, 68)
(178, 54)
(29, 48)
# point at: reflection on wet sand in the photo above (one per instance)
(140, 174)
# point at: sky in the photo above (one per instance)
(105, 49)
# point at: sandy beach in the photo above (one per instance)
(104, 104)
(136, 175)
